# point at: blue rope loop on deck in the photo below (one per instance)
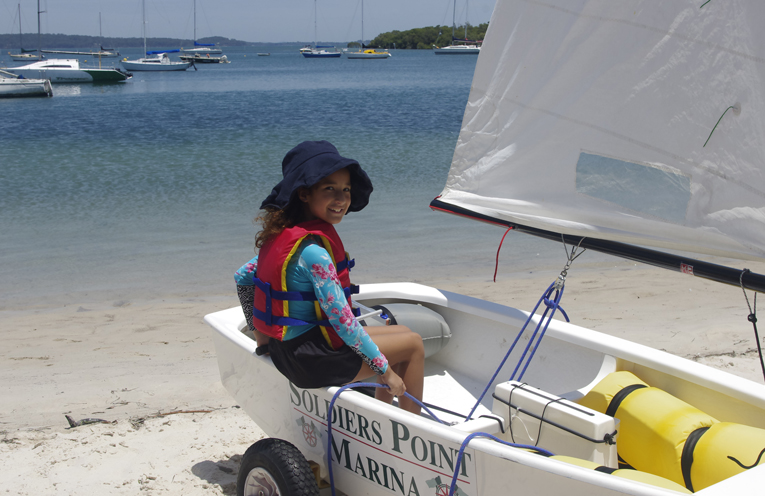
(466, 441)
(551, 305)
(329, 420)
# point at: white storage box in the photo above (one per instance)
(567, 429)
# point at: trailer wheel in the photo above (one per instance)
(274, 467)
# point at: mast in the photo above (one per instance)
(195, 22)
(39, 45)
(454, 20)
(143, 25)
(466, 17)
(315, 32)
(21, 45)
(362, 25)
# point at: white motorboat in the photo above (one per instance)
(593, 124)
(15, 87)
(363, 52)
(69, 71)
(160, 61)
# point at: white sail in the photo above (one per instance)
(589, 117)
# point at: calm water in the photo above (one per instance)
(148, 188)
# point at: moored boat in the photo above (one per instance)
(369, 53)
(160, 60)
(200, 48)
(69, 71)
(363, 52)
(322, 51)
(15, 87)
(198, 58)
(319, 51)
(457, 50)
(458, 47)
(103, 53)
(25, 56)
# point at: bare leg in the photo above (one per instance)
(406, 355)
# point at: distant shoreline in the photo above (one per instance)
(63, 41)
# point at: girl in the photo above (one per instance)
(301, 286)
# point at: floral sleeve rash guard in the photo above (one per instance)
(311, 269)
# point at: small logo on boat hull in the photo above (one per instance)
(310, 433)
(443, 489)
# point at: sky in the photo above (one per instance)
(247, 20)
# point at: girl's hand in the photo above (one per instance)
(394, 382)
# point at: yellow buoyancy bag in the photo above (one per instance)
(630, 474)
(665, 436)
(724, 450)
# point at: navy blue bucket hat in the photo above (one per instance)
(310, 162)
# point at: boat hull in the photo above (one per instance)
(377, 448)
(321, 55)
(457, 50)
(135, 65)
(20, 88)
(381, 55)
(24, 57)
(58, 76)
(202, 59)
(202, 50)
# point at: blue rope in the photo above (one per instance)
(329, 420)
(551, 305)
(544, 299)
(470, 437)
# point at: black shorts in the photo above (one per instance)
(309, 362)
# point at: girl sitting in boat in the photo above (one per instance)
(301, 289)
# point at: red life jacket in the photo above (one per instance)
(271, 313)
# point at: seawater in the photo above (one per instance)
(148, 188)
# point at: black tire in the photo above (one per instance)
(274, 467)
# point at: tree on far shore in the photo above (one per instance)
(426, 38)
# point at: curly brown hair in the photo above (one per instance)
(276, 220)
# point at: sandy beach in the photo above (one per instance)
(148, 370)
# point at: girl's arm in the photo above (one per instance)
(318, 264)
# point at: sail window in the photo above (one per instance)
(652, 189)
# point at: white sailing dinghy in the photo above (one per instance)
(613, 126)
